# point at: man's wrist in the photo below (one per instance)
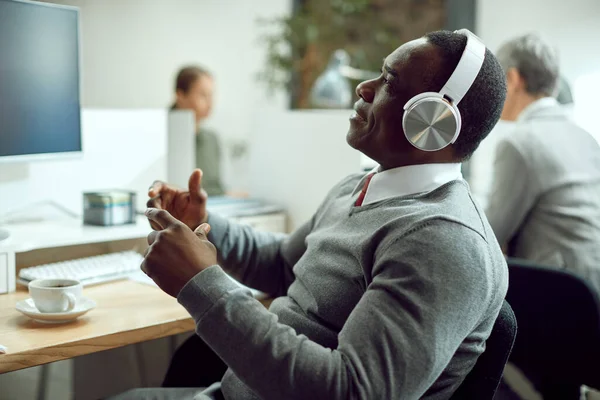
(204, 289)
(195, 225)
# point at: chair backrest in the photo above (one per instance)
(559, 324)
(481, 383)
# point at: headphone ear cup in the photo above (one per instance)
(431, 123)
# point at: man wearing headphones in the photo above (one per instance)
(392, 288)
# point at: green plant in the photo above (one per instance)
(299, 46)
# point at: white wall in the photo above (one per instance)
(573, 28)
(132, 50)
(481, 164)
(298, 156)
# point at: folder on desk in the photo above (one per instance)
(232, 207)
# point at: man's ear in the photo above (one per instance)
(514, 80)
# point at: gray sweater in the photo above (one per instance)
(391, 300)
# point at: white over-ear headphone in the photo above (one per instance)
(431, 120)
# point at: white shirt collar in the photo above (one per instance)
(540, 104)
(403, 181)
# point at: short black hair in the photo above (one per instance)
(481, 107)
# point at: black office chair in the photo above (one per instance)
(481, 383)
(558, 347)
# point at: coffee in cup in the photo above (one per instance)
(55, 295)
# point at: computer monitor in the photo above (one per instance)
(40, 110)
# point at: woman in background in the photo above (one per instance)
(194, 91)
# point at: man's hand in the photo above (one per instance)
(176, 253)
(188, 207)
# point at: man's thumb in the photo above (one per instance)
(195, 184)
(202, 231)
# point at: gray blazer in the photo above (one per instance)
(545, 198)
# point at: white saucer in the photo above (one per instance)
(27, 307)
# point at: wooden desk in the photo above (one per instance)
(127, 312)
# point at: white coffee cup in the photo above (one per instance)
(55, 295)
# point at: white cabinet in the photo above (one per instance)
(3, 273)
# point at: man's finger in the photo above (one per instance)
(152, 236)
(143, 267)
(202, 231)
(154, 202)
(155, 188)
(161, 217)
(155, 226)
(195, 185)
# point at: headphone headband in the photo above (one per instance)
(467, 69)
(432, 120)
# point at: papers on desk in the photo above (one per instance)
(141, 277)
(231, 207)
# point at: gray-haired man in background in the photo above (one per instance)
(545, 198)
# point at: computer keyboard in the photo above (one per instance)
(89, 270)
(97, 269)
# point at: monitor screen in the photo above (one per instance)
(39, 80)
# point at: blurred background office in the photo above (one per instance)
(274, 83)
